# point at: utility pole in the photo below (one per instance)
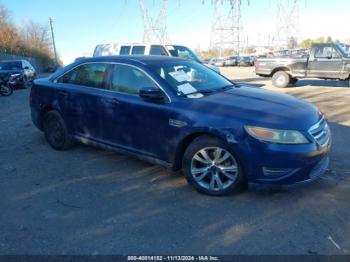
(227, 30)
(53, 40)
(287, 22)
(155, 29)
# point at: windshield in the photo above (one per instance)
(183, 52)
(191, 79)
(11, 65)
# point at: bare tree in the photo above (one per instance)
(8, 33)
(36, 36)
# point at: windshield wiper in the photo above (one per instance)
(210, 91)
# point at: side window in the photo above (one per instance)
(127, 79)
(138, 50)
(326, 52)
(157, 50)
(125, 50)
(91, 75)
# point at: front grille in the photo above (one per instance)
(321, 132)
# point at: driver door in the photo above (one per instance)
(326, 63)
(138, 125)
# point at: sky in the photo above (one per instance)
(80, 25)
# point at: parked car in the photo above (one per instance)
(326, 61)
(246, 61)
(217, 62)
(150, 49)
(25, 70)
(231, 61)
(183, 115)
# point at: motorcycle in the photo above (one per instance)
(7, 85)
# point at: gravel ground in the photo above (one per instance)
(91, 201)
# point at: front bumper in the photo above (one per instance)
(268, 164)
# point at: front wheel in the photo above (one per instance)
(6, 90)
(280, 79)
(293, 81)
(212, 168)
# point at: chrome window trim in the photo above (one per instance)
(112, 63)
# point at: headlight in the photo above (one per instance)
(277, 135)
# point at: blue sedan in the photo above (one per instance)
(184, 116)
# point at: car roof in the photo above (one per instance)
(142, 59)
(20, 60)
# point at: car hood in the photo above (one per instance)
(260, 107)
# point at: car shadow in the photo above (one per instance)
(321, 82)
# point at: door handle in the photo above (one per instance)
(112, 101)
(63, 93)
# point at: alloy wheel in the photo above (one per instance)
(214, 168)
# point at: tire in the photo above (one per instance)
(6, 90)
(280, 79)
(216, 173)
(293, 81)
(55, 131)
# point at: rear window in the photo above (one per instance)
(138, 50)
(91, 75)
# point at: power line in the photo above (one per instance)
(287, 27)
(155, 29)
(227, 30)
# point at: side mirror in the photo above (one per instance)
(26, 67)
(151, 94)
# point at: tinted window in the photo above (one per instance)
(125, 50)
(157, 50)
(91, 75)
(325, 52)
(127, 79)
(138, 50)
(11, 65)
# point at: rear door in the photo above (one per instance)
(83, 100)
(326, 62)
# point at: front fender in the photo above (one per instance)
(187, 136)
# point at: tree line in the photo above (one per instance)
(30, 40)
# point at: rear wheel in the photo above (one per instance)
(56, 131)
(212, 168)
(280, 79)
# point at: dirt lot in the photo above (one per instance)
(90, 201)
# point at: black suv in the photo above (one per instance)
(25, 70)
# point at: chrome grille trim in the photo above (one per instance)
(320, 132)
